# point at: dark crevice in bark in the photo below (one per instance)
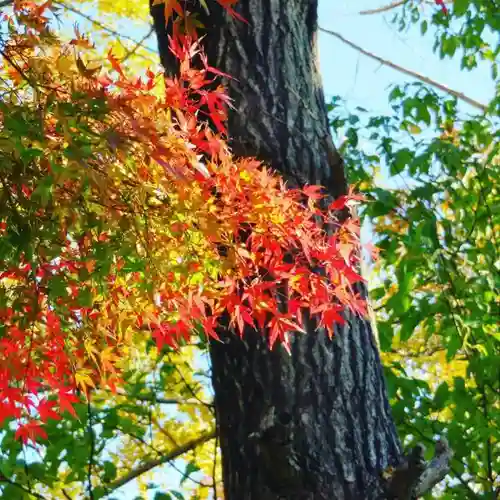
(341, 434)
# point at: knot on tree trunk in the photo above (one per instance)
(415, 476)
(274, 446)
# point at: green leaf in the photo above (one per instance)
(85, 297)
(43, 191)
(401, 160)
(58, 287)
(441, 395)
(454, 343)
(460, 7)
(162, 496)
(191, 468)
(109, 471)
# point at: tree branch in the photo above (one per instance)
(465, 484)
(416, 477)
(139, 44)
(151, 398)
(147, 466)
(459, 95)
(436, 469)
(384, 8)
(393, 5)
(4, 479)
(103, 26)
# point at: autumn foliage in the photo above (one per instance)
(123, 213)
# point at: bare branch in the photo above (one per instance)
(415, 477)
(394, 5)
(147, 466)
(436, 469)
(459, 95)
(4, 479)
(384, 8)
(139, 44)
(102, 26)
(151, 398)
(458, 475)
(171, 401)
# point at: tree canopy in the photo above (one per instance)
(125, 222)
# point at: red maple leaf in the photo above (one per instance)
(30, 432)
(66, 400)
(228, 5)
(115, 63)
(442, 5)
(45, 410)
(209, 323)
(313, 192)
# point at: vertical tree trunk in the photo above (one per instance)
(317, 424)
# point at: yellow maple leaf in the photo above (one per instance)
(83, 380)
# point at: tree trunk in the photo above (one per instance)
(317, 424)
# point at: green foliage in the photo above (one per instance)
(162, 405)
(470, 27)
(431, 175)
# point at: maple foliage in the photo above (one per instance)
(123, 213)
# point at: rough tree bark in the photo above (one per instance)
(317, 424)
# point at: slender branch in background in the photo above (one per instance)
(188, 477)
(394, 5)
(435, 470)
(102, 26)
(384, 8)
(139, 44)
(147, 398)
(164, 431)
(190, 388)
(465, 484)
(3, 479)
(147, 466)
(5, 3)
(459, 95)
(170, 401)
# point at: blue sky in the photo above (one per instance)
(362, 81)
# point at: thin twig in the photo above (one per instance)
(101, 25)
(147, 466)
(139, 44)
(3, 479)
(464, 483)
(394, 5)
(384, 8)
(459, 95)
(162, 401)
